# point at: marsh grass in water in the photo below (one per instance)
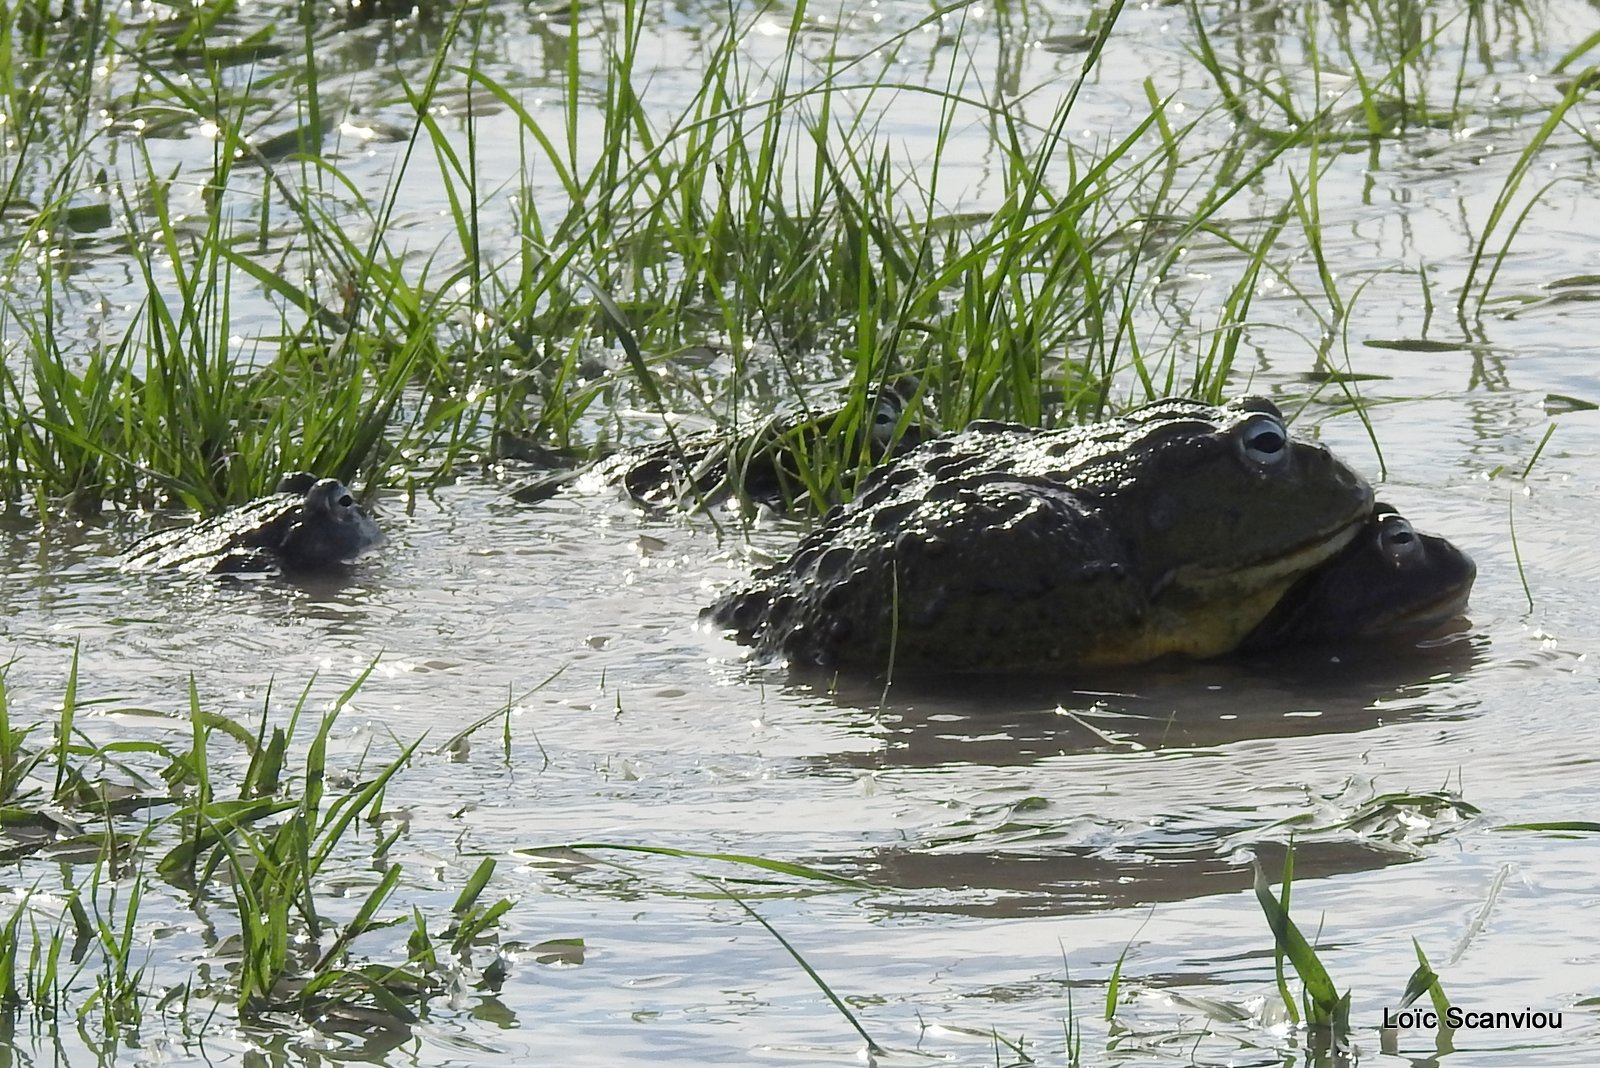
(1325, 1011)
(250, 848)
(251, 829)
(764, 222)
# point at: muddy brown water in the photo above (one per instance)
(1021, 836)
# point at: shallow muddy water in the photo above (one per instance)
(1021, 836)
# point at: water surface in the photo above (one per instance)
(1021, 836)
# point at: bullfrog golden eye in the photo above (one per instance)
(1265, 440)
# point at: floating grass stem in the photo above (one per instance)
(873, 1049)
(1516, 549)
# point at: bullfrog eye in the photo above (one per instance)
(1398, 540)
(1265, 441)
(885, 416)
(330, 497)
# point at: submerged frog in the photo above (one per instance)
(308, 524)
(1390, 580)
(761, 463)
(1176, 528)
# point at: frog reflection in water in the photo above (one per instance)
(1178, 528)
(308, 524)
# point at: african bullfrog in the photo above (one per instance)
(761, 463)
(1174, 529)
(1390, 580)
(308, 524)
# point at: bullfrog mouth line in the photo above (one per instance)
(1284, 567)
(1431, 613)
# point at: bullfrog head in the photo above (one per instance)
(307, 524)
(1391, 581)
(328, 529)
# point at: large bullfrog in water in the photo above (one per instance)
(308, 524)
(1177, 528)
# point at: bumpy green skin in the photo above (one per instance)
(759, 463)
(309, 525)
(1173, 529)
(1390, 580)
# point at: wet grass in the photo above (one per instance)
(760, 237)
(246, 830)
(1324, 1011)
(212, 868)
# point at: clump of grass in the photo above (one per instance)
(767, 219)
(767, 222)
(250, 852)
(177, 407)
(1384, 57)
(1472, 292)
(1425, 981)
(1326, 1011)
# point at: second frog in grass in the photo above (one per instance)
(767, 463)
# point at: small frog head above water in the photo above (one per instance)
(329, 528)
(1173, 529)
(307, 524)
(1391, 580)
